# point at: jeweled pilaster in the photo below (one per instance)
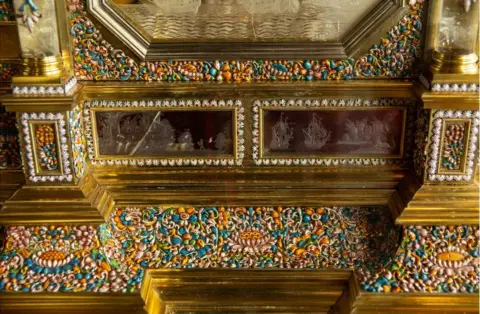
(54, 163)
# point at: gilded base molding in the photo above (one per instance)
(42, 103)
(241, 187)
(442, 205)
(10, 182)
(50, 303)
(368, 303)
(243, 291)
(80, 204)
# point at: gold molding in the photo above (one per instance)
(41, 103)
(441, 205)
(243, 290)
(445, 100)
(10, 182)
(141, 90)
(418, 303)
(53, 204)
(49, 303)
(262, 186)
(238, 291)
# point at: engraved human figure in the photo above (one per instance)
(185, 141)
(223, 140)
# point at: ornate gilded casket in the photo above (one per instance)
(239, 156)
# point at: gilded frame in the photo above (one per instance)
(332, 104)
(235, 107)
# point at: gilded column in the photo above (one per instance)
(46, 66)
(447, 139)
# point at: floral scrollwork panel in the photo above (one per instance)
(443, 259)
(112, 258)
(453, 145)
(455, 140)
(46, 147)
(79, 141)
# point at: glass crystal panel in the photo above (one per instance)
(165, 133)
(333, 132)
(37, 28)
(251, 20)
(458, 27)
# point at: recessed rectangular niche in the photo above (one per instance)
(164, 133)
(336, 133)
(46, 147)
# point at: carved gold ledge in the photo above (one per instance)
(55, 205)
(283, 291)
(446, 100)
(103, 188)
(442, 205)
(51, 303)
(42, 103)
(10, 182)
(265, 186)
(418, 303)
(152, 90)
(243, 291)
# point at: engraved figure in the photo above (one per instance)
(160, 135)
(316, 135)
(223, 140)
(370, 131)
(467, 4)
(185, 141)
(282, 134)
(131, 129)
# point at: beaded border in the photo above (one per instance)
(42, 90)
(452, 88)
(456, 88)
(60, 119)
(437, 135)
(234, 161)
(359, 102)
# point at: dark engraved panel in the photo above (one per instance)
(333, 132)
(165, 133)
